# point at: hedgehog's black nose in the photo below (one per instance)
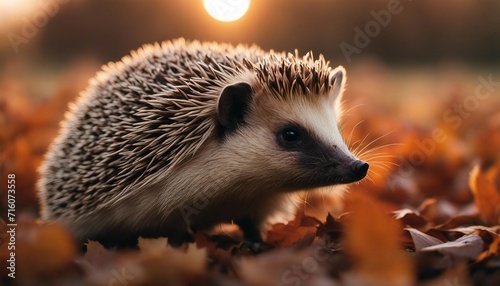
(359, 168)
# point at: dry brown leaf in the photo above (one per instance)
(486, 195)
(422, 240)
(438, 210)
(332, 226)
(466, 247)
(410, 218)
(460, 221)
(96, 254)
(287, 234)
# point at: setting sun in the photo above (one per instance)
(226, 10)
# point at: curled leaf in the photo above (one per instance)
(467, 247)
(422, 240)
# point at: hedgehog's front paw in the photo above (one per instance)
(250, 229)
(253, 240)
(177, 239)
(254, 247)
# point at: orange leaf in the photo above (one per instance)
(288, 234)
(372, 242)
(493, 250)
(486, 196)
(330, 226)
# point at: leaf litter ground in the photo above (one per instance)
(429, 213)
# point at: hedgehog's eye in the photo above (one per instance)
(289, 136)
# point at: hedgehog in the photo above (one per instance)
(184, 135)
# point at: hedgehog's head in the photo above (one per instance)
(281, 125)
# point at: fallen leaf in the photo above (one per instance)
(331, 226)
(410, 218)
(493, 250)
(466, 247)
(460, 221)
(372, 242)
(96, 254)
(287, 234)
(486, 196)
(422, 240)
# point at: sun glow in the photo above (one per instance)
(226, 10)
(13, 13)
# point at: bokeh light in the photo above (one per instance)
(226, 10)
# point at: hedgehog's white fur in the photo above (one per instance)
(141, 142)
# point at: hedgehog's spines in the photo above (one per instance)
(155, 109)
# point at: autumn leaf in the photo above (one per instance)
(97, 254)
(332, 226)
(410, 218)
(287, 234)
(486, 195)
(466, 247)
(422, 240)
(372, 242)
(493, 250)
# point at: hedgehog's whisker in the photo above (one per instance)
(385, 163)
(373, 158)
(380, 166)
(359, 144)
(369, 178)
(362, 153)
(345, 113)
(386, 169)
(306, 203)
(352, 132)
(353, 107)
(378, 155)
(373, 141)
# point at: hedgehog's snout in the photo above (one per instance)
(359, 169)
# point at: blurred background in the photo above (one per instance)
(413, 66)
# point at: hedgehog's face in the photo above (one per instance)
(293, 140)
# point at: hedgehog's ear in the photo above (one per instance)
(337, 81)
(233, 103)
